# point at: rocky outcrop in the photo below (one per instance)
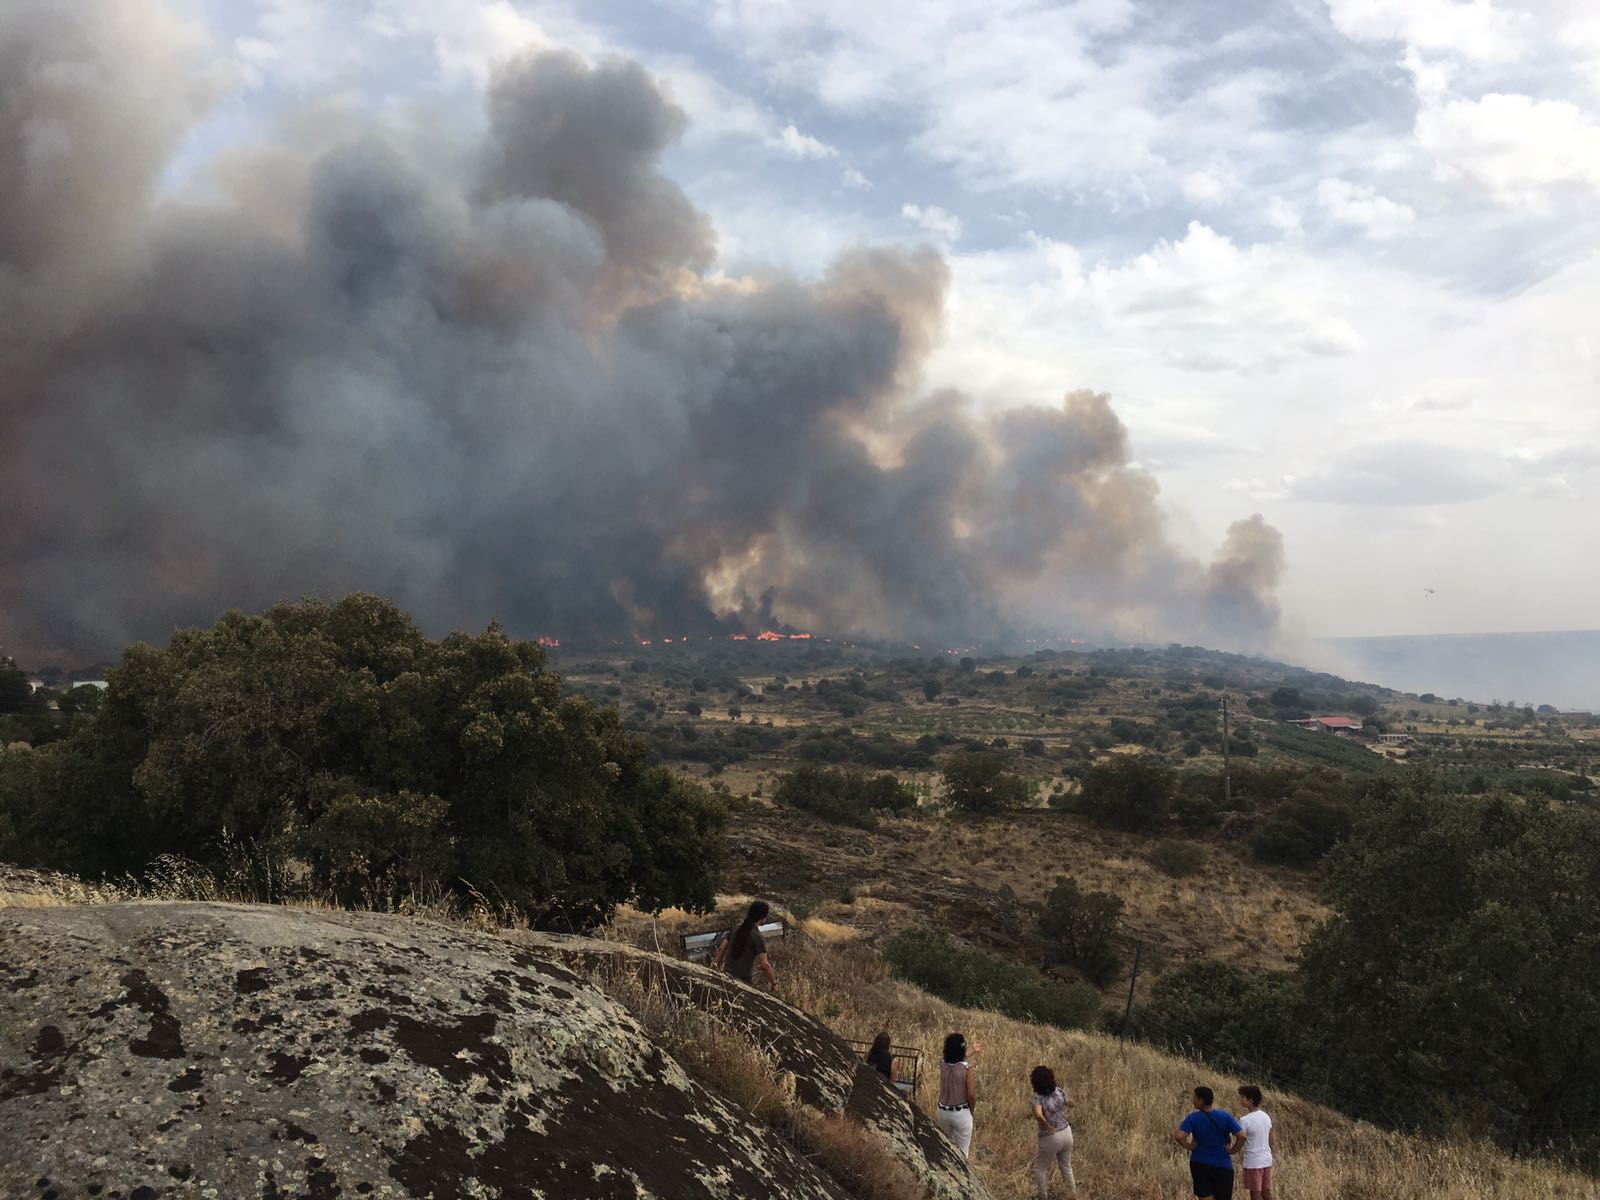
(161, 1050)
(828, 1074)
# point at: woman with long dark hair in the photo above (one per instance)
(1050, 1104)
(957, 1092)
(881, 1058)
(745, 949)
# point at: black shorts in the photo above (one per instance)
(1216, 1182)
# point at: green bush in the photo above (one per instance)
(845, 795)
(340, 737)
(1125, 792)
(1197, 811)
(1081, 926)
(1303, 829)
(1250, 1021)
(1176, 858)
(977, 781)
(973, 979)
(1464, 923)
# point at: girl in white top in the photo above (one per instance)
(1258, 1144)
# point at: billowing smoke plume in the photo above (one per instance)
(496, 380)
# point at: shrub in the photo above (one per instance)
(1304, 828)
(973, 979)
(1081, 926)
(1197, 810)
(977, 781)
(1176, 858)
(844, 795)
(1250, 1021)
(1126, 793)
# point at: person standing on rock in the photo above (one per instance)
(1050, 1104)
(745, 949)
(957, 1092)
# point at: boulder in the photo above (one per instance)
(213, 1050)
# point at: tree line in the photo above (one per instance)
(337, 749)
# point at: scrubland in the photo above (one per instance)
(1129, 1097)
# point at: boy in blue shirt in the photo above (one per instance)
(1209, 1134)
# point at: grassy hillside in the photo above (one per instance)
(1129, 1097)
(985, 878)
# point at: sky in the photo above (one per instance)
(1334, 260)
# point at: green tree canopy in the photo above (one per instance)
(79, 698)
(1457, 978)
(977, 781)
(339, 741)
(1126, 792)
(847, 795)
(1081, 925)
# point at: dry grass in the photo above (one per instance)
(855, 1157)
(1130, 1097)
(1236, 910)
(951, 871)
(744, 1073)
(720, 1056)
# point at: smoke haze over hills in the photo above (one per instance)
(1561, 669)
(493, 373)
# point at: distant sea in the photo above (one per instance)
(1562, 669)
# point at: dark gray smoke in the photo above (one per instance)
(495, 380)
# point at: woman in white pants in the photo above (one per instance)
(1050, 1104)
(957, 1093)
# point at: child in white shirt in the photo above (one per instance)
(1258, 1144)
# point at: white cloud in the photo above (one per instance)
(1206, 187)
(1477, 29)
(1283, 216)
(1361, 206)
(1026, 92)
(853, 178)
(934, 219)
(1516, 147)
(308, 44)
(802, 145)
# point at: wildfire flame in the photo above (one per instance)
(765, 635)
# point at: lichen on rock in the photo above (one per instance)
(160, 1050)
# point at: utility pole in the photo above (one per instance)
(1122, 1034)
(1227, 760)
